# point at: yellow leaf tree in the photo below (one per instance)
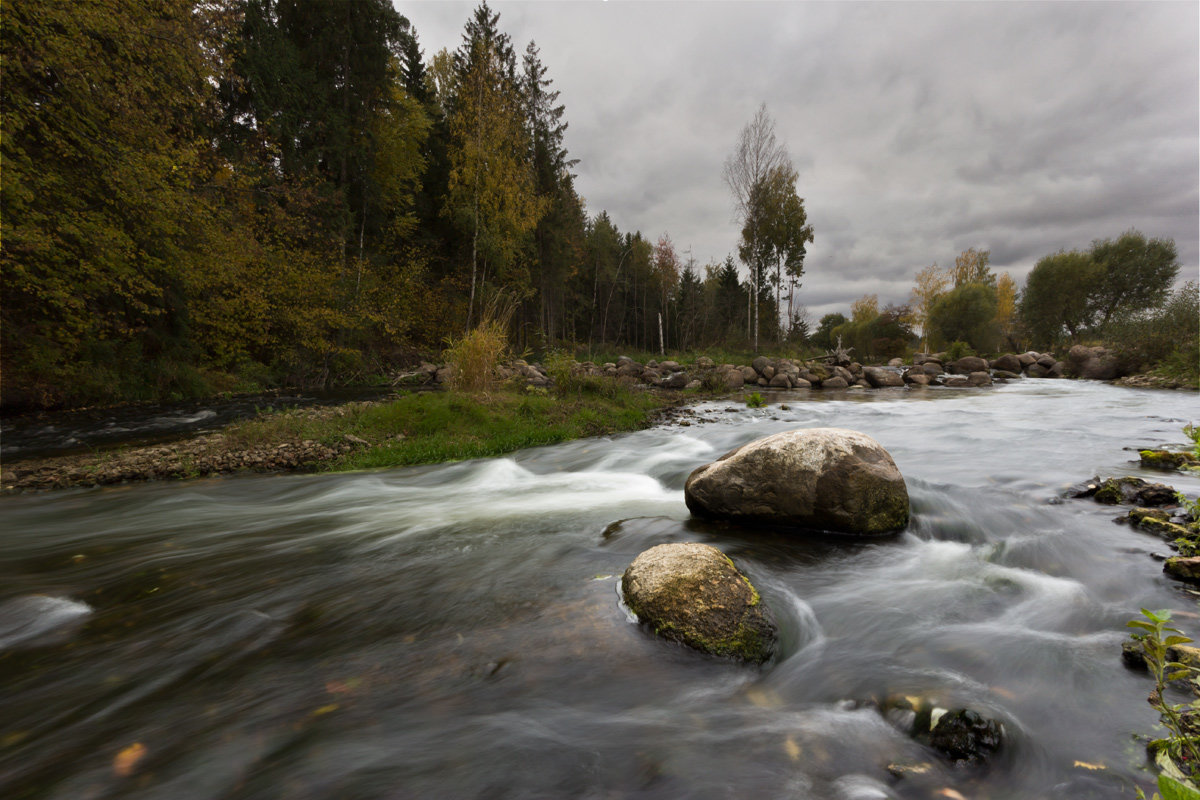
(930, 284)
(1006, 308)
(971, 266)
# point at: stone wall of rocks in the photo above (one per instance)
(786, 373)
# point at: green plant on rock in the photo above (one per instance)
(1190, 507)
(558, 364)
(755, 400)
(1179, 752)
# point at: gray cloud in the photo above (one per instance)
(918, 129)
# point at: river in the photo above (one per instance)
(455, 631)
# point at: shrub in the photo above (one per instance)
(755, 400)
(475, 357)
(1166, 339)
(713, 382)
(958, 350)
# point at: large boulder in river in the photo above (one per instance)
(693, 594)
(828, 479)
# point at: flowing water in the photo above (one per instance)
(455, 631)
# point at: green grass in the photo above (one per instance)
(432, 427)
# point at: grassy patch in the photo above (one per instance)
(431, 427)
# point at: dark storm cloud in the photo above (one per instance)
(918, 130)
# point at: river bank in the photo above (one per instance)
(404, 429)
(537, 406)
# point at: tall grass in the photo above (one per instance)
(474, 359)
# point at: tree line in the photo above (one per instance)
(221, 194)
(218, 195)
(1118, 291)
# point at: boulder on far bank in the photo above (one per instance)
(1007, 362)
(981, 378)
(968, 364)
(693, 594)
(1093, 363)
(880, 377)
(828, 479)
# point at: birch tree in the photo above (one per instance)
(756, 155)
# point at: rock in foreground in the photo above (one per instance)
(828, 479)
(693, 594)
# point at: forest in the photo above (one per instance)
(225, 195)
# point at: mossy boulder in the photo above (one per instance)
(1159, 522)
(1127, 490)
(693, 594)
(1167, 459)
(1185, 568)
(828, 479)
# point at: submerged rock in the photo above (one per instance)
(693, 594)
(960, 734)
(820, 478)
(966, 735)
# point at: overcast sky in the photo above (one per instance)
(918, 129)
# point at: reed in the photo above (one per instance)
(474, 359)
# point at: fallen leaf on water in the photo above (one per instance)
(953, 795)
(127, 760)
(793, 749)
(343, 687)
(1086, 765)
(763, 698)
(14, 738)
(325, 710)
(900, 770)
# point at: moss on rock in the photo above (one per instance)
(1166, 459)
(693, 594)
(1184, 568)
